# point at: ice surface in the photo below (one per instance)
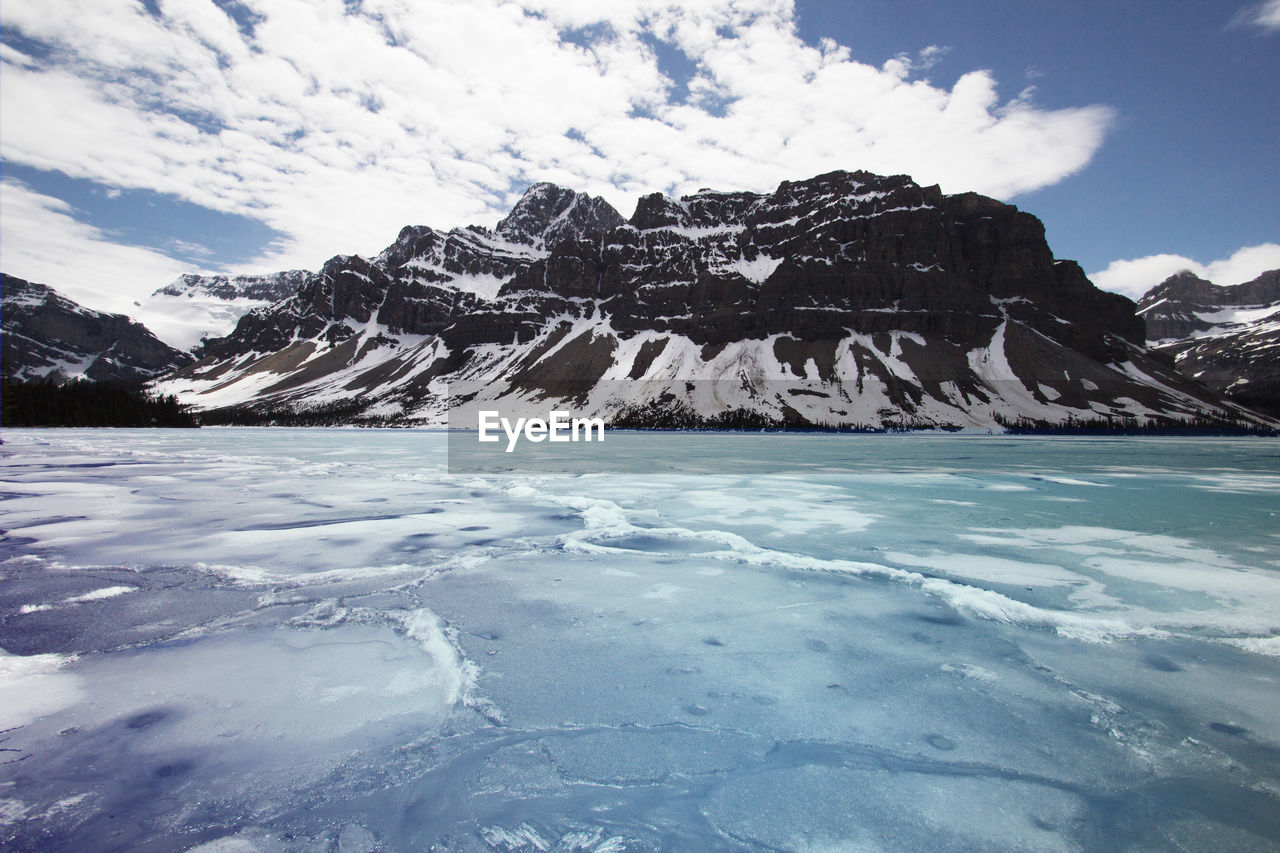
(32, 686)
(286, 640)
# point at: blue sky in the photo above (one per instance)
(1191, 164)
(142, 140)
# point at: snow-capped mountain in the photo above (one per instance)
(846, 299)
(1226, 337)
(197, 306)
(47, 335)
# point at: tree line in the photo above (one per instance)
(44, 403)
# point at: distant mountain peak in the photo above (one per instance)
(1187, 287)
(1227, 337)
(195, 306)
(268, 287)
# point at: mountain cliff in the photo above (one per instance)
(47, 335)
(846, 299)
(1226, 337)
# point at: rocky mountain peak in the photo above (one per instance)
(1227, 337)
(48, 336)
(829, 196)
(413, 241)
(547, 214)
(1182, 285)
(656, 210)
(1185, 291)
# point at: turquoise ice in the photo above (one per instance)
(237, 639)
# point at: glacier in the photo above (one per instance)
(239, 639)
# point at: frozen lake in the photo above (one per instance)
(321, 640)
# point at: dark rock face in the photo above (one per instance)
(840, 251)
(1225, 337)
(548, 214)
(916, 304)
(48, 335)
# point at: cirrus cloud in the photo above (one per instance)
(336, 123)
(1265, 16)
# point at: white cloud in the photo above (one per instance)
(1135, 277)
(336, 129)
(195, 250)
(904, 64)
(1265, 16)
(43, 242)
